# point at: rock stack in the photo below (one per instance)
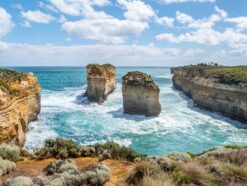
(140, 94)
(19, 105)
(101, 81)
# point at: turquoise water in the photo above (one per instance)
(180, 127)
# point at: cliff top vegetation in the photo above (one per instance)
(8, 76)
(236, 75)
(139, 78)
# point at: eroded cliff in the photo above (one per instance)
(101, 81)
(220, 89)
(140, 94)
(19, 105)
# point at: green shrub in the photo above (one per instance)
(19, 181)
(59, 148)
(117, 151)
(235, 147)
(61, 166)
(6, 166)
(180, 156)
(10, 152)
(65, 173)
(95, 175)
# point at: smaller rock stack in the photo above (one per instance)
(101, 81)
(140, 94)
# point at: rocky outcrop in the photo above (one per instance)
(101, 81)
(19, 105)
(140, 94)
(215, 89)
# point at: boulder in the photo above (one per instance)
(101, 81)
(140, 94)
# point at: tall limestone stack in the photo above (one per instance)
(101, 81)
(140, 94)
(19, 105)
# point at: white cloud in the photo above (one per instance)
(37, 16)
(26, 24)
(106, 30)
(168, 21)
(6, 23)
(124, 55)
(203, 31)
(193, 52)
(77, 7)
(222, 13)
(186, 1)
(136, 10)
(241, 22)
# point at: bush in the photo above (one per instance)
(10, 152)
(65, 173)
(59, 148)
(117, 151)
(141, 170)
(61, 166)
(6, 166)
(19, 181)
(192, 172)
(96, 175)
(180, 156)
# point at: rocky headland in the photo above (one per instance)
(101, 81)
(19, 105)
(140, 94)
(215, 88)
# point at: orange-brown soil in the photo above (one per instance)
(33, 168)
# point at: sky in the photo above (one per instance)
(122, 32)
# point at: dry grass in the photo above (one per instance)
(161, 179)
(193, 172)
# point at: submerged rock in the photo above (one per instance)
(140, 94)
(101, 81)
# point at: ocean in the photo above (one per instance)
(181, 126)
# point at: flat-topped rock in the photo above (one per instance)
(19, 105)
(140, 94)
(101, 81)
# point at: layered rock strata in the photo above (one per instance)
(19, 105)
(218, 89)
(101, 81)
(140, 94)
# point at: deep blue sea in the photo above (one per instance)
(181, 126)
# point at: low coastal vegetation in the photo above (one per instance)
(60, 148)
(236, 75)
(7, 76)
(218, 166)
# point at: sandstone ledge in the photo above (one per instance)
(101, 81)
(219, 89)
(19, 105)
(140, 94)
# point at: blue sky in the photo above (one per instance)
(122, 32)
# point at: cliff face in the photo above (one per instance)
(140, 94)
(19, 105)
(101, 81)
(213, 93)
